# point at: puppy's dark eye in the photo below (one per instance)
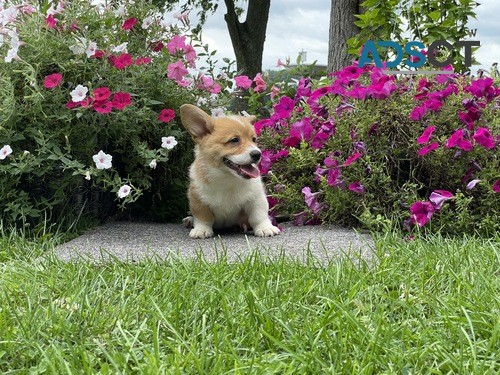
(234, 141)
(254, 139)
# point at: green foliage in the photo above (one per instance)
(422, 20)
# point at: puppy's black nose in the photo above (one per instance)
(255, 155)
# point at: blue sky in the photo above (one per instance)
(296, 25)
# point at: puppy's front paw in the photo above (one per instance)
(188, 221)
(201, 233)
(267, 231)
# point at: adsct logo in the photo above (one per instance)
(416, 59)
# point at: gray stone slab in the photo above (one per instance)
(134, 241)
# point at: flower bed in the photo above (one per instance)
(88, 100)
(372, 149)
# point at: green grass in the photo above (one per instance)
(428, 306)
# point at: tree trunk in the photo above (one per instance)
(248, 37)
(342, 28)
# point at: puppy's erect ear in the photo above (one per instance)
(251, 118)
(196, 121)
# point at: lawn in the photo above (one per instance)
(426, 306)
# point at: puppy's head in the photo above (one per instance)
(227, 143)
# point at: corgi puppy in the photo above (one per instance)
(225, 189)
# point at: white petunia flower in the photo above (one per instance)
(124, 191)
(120, 48)
(91, 49)
(79, 93)
(168, 142)
(218, 112)
(153, 163)
(5, 151)
(102, 160)
(120, 11)
(87, 175)
(11, 55)
(148, 21)
(80, 46)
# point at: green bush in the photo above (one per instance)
(134, 66)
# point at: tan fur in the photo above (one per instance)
(218, 196)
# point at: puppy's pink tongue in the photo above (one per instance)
(250, 170)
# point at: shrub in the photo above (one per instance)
(83, 83)
(373, 149)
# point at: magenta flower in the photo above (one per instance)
(496, 186)
(299, 131)
(52, 81)
(166, 115)
(457, 140)
(260, 84)
(177, 71)
(418, 113)
(102, 93)
(424, 138)
(483, 137)
(121, 100)
(284, 108)
(351, 159)
(50, 21)
(438, 197)
(356, 187)
(243, 82)
(311, 200)
(421, 212)
(425, 150)
(129, 23)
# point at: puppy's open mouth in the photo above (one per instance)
(245, 171)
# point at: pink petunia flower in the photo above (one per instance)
(421, 212)
(260, 84)
(102, 93)
(311, 200)
(177, 71)
(103, 106)
(356, 187)
(351, 159)
(457, 140)
(177, 44)
(166, 115)
(142, 61)
(426, 135)
(122, 61)
(243, 82)
(129, 23)
(425, 150)
(496, 186)
(51, 22)
(52, 80)
(483, 137)
(472, 184)
(121, 100)
(438, 197)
